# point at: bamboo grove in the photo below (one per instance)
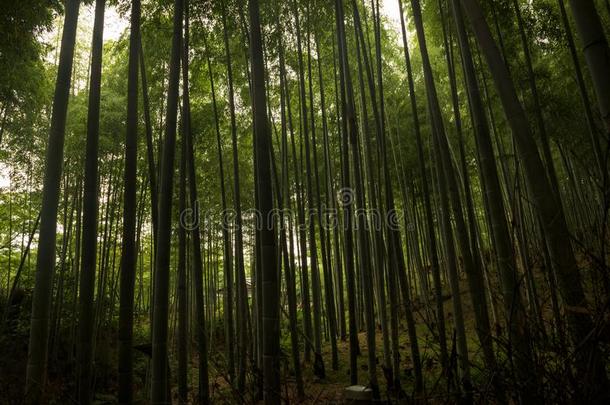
(238, 201)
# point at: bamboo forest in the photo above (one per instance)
(304, 202)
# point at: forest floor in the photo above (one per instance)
(62, 377)
(330, 390)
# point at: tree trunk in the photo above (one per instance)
(270, 286)
(242, 304)
(347, 120)
(597, 53)
(197, 261)
(86, 318)
(182, 237)
(45, 260)
(159, 383)
(150, 150)
(128, 251)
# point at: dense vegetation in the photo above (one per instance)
(237, 201)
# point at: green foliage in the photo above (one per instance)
(27, 75)
(21, 71)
